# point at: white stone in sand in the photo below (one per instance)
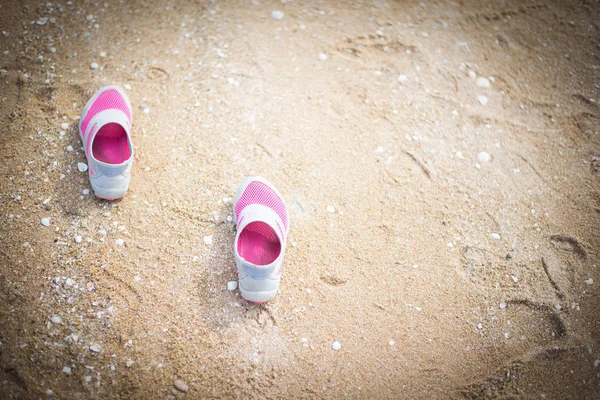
(67, 370)
(483, 82)
(208, 240)
(277, 15)
(232, 285)
(503, 305)
(94, 65)
(86, 191)
(56, 319)
(64, 126)
(336, 345)
(45, 221)
(95, 348)
(589, 281)
(119, 242)
(472, 74)
(69, 148)
(495, 236)
(402, 78)
(514, 278)
(480, 326)
(42, 21)
(330, 209)
(69, 282)
(82, 167)
(180, 385)
(78, 239)
(323, 57)
(88, 379)
(102, 54)
(482, 100)
(596, 363)
(484, 157)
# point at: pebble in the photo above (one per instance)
(86, 191)
(180, 385)
(402, 78)
(56, 319)
(88, 379)
(127, 86)
(482, 100)
(129, 363)
(472, 74)
(323, 57)
(484, 157)
(82, 167)
(514, 278)
(503, 305)
(69, 148)
(596, 363)
(480, 326)
(495, 236)
(336, 345)
(78, 239)
(119, 242)
(232, 285)
(69, 282)
(483, 82)
(208, 240)
(392, 342)
(103, 54)
(46, 221)
(64, 126)
(67, 370)
(589, 281)
(94, 65)
(42, 21)
(95, 348)
(330, 209)
(277, 15)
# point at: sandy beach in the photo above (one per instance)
(440, 162)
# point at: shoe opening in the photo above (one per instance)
(258, 243)
(111, 145)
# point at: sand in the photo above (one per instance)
(443, 232)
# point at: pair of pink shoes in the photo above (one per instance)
(259, 210)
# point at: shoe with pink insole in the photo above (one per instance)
(105, 129)
(262, 227)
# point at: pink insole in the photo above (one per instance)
(110, 144)
(259, 244)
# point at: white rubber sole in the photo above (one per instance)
(258, 297)
(109, 193)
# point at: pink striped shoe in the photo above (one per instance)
(105, 128)
(262, 227)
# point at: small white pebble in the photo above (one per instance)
(180, 385)
(330, 209)
(56, 319)
(127, 86)
(78, 239)
(596, 363)
(64, 126)
(336, 345)
(277, 15)
(391, 342)
(495, 236)
(42, 21)
(82, 167)
(69, 282)
(503, 305)
(514, 278)
(88, 379)
(119, 242)
(95, 348)
(484, 157)
(558, 307)
(67, 370)
(483, 82)
(94, 65)
(208, 240)
(129, 363)
(482, 99)
(45, 221)
(232, 285)
(323, 57)
(102, 54)
(86, 191)
(480, 326)
(472, 74)
(402, 78)
(69, 148)
(589, 281)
